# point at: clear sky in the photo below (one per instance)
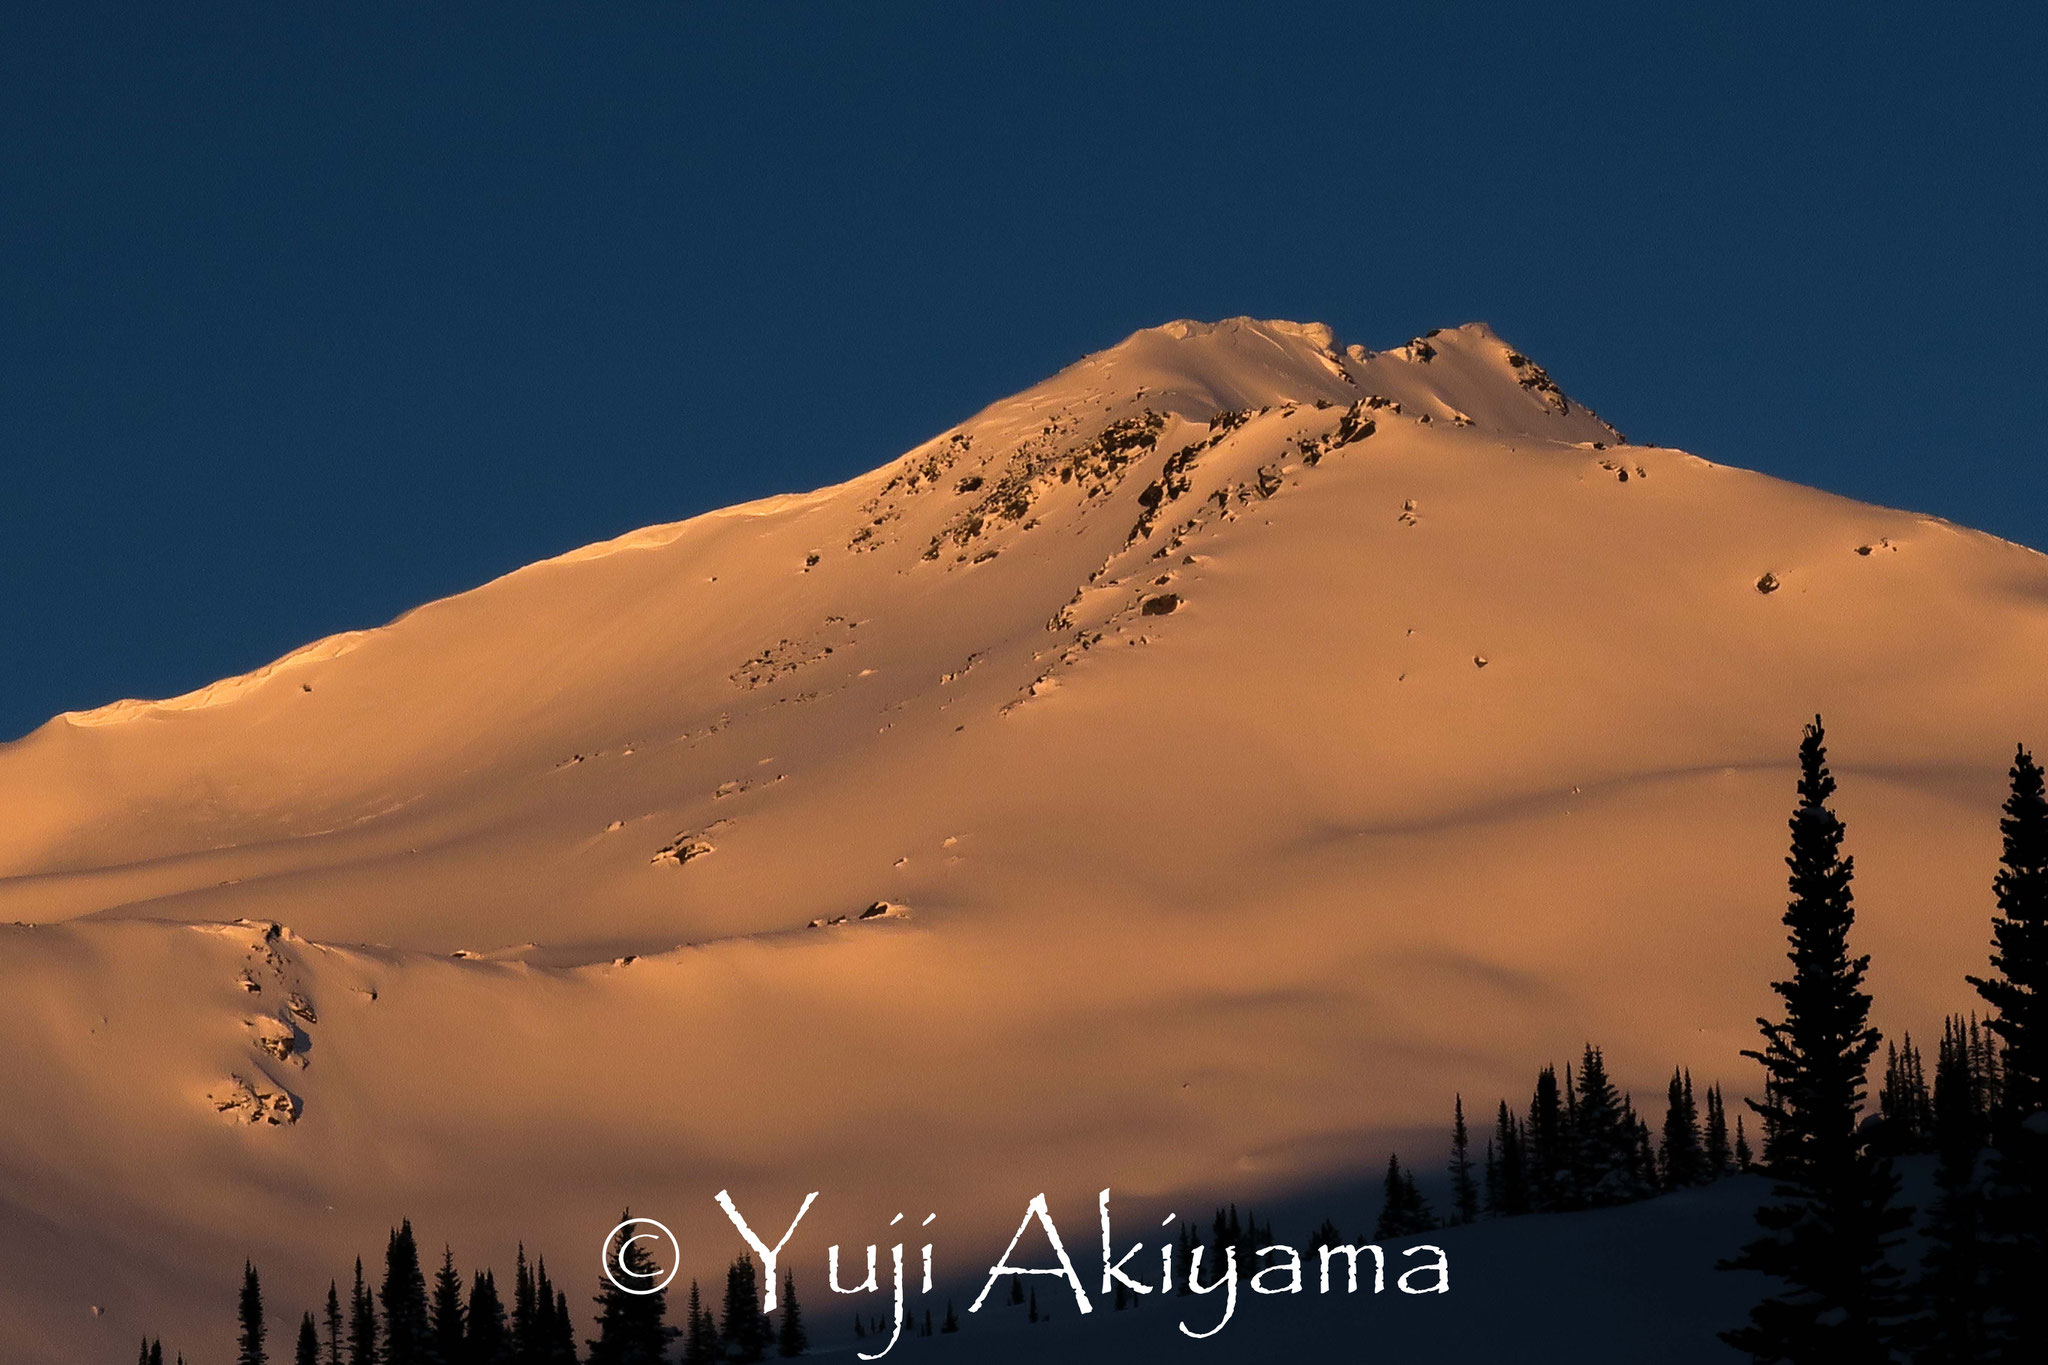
(310, 313)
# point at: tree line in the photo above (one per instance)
(405, 1320)
(1833, 1225)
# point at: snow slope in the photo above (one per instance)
(1254, 739)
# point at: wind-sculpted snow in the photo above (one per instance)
(1250, 738)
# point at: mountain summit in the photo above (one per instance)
(1155, 780)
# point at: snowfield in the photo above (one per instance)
(1251, 741)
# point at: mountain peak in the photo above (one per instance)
(1466, 375)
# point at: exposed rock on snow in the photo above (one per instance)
(254, 1101)
(878, 910)
(686, 848)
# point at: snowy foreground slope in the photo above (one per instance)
(1253, 741)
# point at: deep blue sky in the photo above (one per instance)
(310, 313)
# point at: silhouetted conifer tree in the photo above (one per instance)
(794, 1339)
(1830, 1221)
(403, 1296)
(249, 1342)
(1902, 1099)
(1643, 1163)
(2014, 1087)
(486, 1337)
(951, 1324)
(1032, 1316)
(1744, 1161)
(1464, 1193)
(1604, 1137)
(740, 1326)
(2019, 937)
(1512, 1195)
(545, 1331)
(1719, 1157)
(700, 1331)
(1951, 1289)
(445, 1313)
(526, 1314)
(1403, 1211)
(1682, 1159)
(308, 1352)
(362, 1322)
(632, 1327)
(1548, 1147)
(334, 1323)
(562, 1334)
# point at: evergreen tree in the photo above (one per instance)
(1572, 1194)
(308, 1352)
(556, 1331)
(486, 1340)
(1548, 1146)
(740, 1326)
(632, 1328)
(1743, 1160)
(1902, 1099)
(1512, 1196)
(1830, 1221)
(404, 1300)
(1643, 1165)
(1951, 1289)
(445, 1313)
(700, 1332)
(250, 1341)
(561, 1342)
(793, 1339)
(545, 1330)
(1403, 1211)
(1682, 1159)
(1032, 1316)
(1717, 1153)
(951, 1324)
(362, 1323)
(526, 1340)
(2014, 1087)
(2019, 937)
(1464, 1194)
(1489, 1181)
(334, 1324)
(1605, 1137)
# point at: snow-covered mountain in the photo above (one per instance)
(1181, 776)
